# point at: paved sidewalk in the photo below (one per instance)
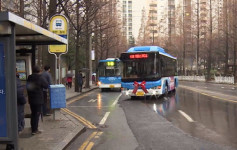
(57, 134)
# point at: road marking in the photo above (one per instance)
(90, 145)
(76, 99)
(104, 118)
(98, 135)
(186, 116)
(87, 145)
(83, 120)
(87, 141)
(116, 100)
(201, 92)
(92, 100)
(86, 106)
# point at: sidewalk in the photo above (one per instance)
(57, 133)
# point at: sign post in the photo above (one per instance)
(58, 25)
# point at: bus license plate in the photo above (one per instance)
(111, 86)
(140, 93)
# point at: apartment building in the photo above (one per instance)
(126, 7)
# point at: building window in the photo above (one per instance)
(152, 11)
(153, 5)
(153, 24)
(153, 18)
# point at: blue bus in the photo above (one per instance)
(148, 71)
(109, 74)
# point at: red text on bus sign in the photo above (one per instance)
(138, 56)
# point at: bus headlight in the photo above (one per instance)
(127, 93)
(98, 83)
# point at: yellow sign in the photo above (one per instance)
(58, 25)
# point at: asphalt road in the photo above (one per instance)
(197, 116)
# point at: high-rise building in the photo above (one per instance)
(127, 19)
(203, 23)
(171, 19)
(152, 22)
(187, 26)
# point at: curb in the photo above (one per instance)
(70, 138)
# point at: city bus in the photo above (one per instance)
(109, 74)
(148, 71)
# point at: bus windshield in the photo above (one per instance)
(140, 70)
(108, 71)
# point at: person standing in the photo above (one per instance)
(80, 81)
(21, 101)
(35, 85)
(46, 74)
(69, 82)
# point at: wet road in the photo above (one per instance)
(200, 116)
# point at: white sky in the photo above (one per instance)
(137, 13)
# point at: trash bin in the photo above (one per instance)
(57, 96)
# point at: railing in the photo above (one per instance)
(192, 78)
(229, 80)
(219, 79)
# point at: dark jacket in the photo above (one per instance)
(35, 84)
(20, 93)
(48, 78)
(80, 79)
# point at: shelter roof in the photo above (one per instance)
(27, 33)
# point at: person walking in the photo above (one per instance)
(80, 81)
(46, 74)
(21, 101)
(35, 85)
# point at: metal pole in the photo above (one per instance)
(56, 59)
(59, 69)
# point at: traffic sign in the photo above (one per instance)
(58, 25)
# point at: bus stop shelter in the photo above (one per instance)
(14, 31)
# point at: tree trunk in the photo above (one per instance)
(209, 61)
(235, 39)
(227, 38)
(198, 37)
(77, 49)
(51, 58)
(22, 5)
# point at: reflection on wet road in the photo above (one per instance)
(199, 115)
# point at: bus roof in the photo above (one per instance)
(149, 49)
(109, 59)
